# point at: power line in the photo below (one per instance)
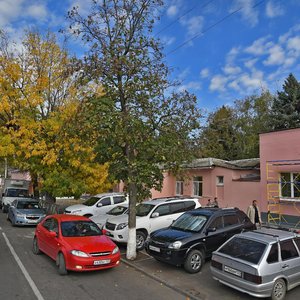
(181, 16)
(212, 26)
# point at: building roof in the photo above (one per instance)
(208, 163)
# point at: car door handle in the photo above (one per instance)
(285, 266)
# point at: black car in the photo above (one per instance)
(195, 235)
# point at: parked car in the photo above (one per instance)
(262, 263)
(195, 235)
(116, 211)
(150, 215)
(98, 204)
(75, 243)
(25, 211)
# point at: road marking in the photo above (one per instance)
(24, 271)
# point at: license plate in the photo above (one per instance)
(31, 221)
(232, 271)
(156, 249)
(101, 262)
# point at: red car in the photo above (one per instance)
(75, 243)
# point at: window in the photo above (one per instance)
(177, 207)
(217, 223)
(197, 186)
(290, 185)
(119, 199)
(189, 205)
(273, 255)
(104, 202)
(220, 180)
(163, 210)
(288, 250)
(179, 187)
(231, 220)
(48, 224)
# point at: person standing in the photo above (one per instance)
(253, 214)
(215, 202)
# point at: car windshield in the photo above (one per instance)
(143, 209)
(118, 210)
(244, 249)
(189, 222)
(17, 193)
(79, 228)
(28, 205)
(92, 201)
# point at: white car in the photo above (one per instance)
(116, 211)
(150, 216)
(98, 204)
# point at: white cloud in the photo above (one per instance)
(294, 43)
(274, 10)
(250, 63)
(232, 54)
(9, 11)
(204, 73)
(231, 70)
(194, 25)
(276, 56)
(168, 40)
(172, 11)
(258, 47)
(192, 85)
(183, 75)
(218, 83)
(248, 11)
(37, 11)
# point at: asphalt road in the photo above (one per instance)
(40, 280)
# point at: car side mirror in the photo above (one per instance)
(52, 234)
(211, 229)
(99, 204)
(155, 215)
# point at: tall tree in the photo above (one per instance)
(286, 106)
(40, 96)
(141, 128)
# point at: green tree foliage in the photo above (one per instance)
(140, 128)
(286, 106)
(233, 132)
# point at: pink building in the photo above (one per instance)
(280, 175)
(234, 183)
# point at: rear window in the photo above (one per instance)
(244, 249)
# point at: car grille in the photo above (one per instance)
(100, 253)
(32, 217)
(157, 243)
(110, 226)
(67, 211)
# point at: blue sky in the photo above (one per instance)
(220, 50)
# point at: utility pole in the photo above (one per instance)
(5, 167)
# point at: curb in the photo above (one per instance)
(186, 294)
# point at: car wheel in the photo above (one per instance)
(140, 240)
(279, 290)
(194, 261)
(4, 210)
(35, 246)
(61, 265)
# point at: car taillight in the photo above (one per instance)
(253, 278)
(216, 264)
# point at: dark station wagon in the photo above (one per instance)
(195, 235)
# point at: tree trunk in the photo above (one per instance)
(131, 244)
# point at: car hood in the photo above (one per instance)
(118, 219)
(89, 244)
(170, 235)
(31, 211)
(76, 207)
(100, 218)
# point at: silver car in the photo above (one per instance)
(261, 263)
(25, 212)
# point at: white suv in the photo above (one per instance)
(98, 204)
(150, 215)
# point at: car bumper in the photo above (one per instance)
(26, 222)
(256, 290)
(119, 236)
(82, 264)
(171, 256)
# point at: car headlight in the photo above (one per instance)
(116, 250)
(175, 245)
(79, 253)
(121, 226)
